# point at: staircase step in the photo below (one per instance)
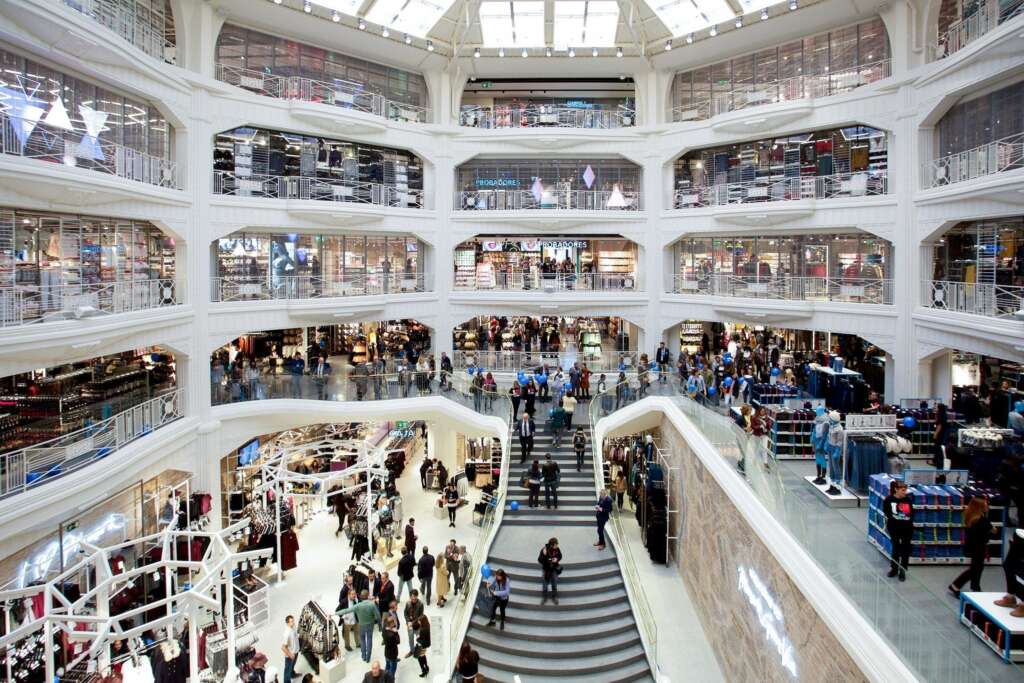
(518, 617)
(572, 595)
(547, 523)
(570, 606)
(563, 633)
(530, 575)
(604, 664)
(543, 512)
(568, 566)
(638, 672)
(493, 640)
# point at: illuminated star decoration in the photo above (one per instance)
(537, 190)
(89, 147)
(589, 177)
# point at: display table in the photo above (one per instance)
(993, 624)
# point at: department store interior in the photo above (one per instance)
(320, 320)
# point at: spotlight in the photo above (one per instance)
(430, 46)
(525, 53)
(739, 22)
(593, 53)
(572, 52)
(307, 8)
(278, 2)
(408, 39)
(668, 45)
(622, 77)
(362, 25)
(476, 53)
(385, 32)
(792, 5)
(689, 38)
(764, 14)
(714, 30)
(547, 52)
(618, 52)
(335, 17)
(501, 52)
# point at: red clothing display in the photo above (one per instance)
(289, 550)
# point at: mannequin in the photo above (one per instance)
(819, 439)
(835, 449)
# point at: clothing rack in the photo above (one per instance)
(318, 634)
(864, 425)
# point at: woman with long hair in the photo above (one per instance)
(467, 665)
(976, 537)
(422, 644)
(501, 588)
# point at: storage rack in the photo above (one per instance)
(938, 529)
(690, 336)
(1003, 633)
(789, 438)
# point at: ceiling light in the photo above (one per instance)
(764, 14)
(362, 25)
(739, 22)
(572, 52)
(335, 17)
(408, 39)
(593, 53)
(278, 2)
(689, 38)
(525, 53)
(792, 4)
(547, 52)
(714, 30)
(501, 52)
(618, 52)
(476, 53)
(622, 77)
(668, 45)
(385, 32)
(307, 8)
(430, 46)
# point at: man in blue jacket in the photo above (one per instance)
(603, 510)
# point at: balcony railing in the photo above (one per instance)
(343, 94)
(513, 361)
(841, 289)
(319, 189)
(563, 200)
(519, 280)
(36, 465)
(546, 116)
(113, 15)
(43, 303)
(990, 300)
(785, 90)
(862, 184)
(999, 156)
(301, 287)
(20, 137)
(987, 16)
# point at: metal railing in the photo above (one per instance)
(988, 15)
(343, 94)
(840, 289)
(546, 116)
(302, 287)
(33, 466)
(513, 280)
(839, 185)
(563, 200)
(991, 300)
(998, 156)
(784, 90)
(514, 361)
(42, 303)
(113, 15)
(20, 137)
(319, 189)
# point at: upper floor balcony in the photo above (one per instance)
(557, 199)
(786, 288)
(998, 156)
(148, 26)
(976, 20)
(546, 116)
(593, 104)
(341, 94)
(520, 280)
(861, 184)
(308, 287)
(316, 189)
(985, 299)
(42, 303)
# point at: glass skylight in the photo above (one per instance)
(415, 17)
(686, 16)
(755, 5)
(585, 23)
(518, 23)
(343, 6)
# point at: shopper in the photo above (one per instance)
(603, 510)
(378, 675)
(899, 523)
(406, 570)
(534, 477)
(525, 428)
(467, 664)
(500, 589)
(978, 532)
(620, 488)
(422, 644)
(391, 644)
(425, 573)
(476, 389)
(552, 476)
(465, 566)
(579, 445)
(621, 390)
(297, 369)
(490, 391)
(410, 535)
(529, 397)
(367, 617)
(940, 436)
(1011, 569)
(348, 598)
(290, 648)
(386, 593)
(550, 559)
(569, 406)
(556, 423)
(441, 580)
(585, 374)
(413, 611)
(451, 501)
(662, 357)
(515, 394)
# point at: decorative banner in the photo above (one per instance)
(58, 116)
(24, 116)
(537, 190)
(589, 177)
(94, 120)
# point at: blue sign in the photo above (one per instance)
(579, 104)
(497, 182)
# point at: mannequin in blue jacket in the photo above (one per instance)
(819, 439)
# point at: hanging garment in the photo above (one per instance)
(289, 550)
(142, 672)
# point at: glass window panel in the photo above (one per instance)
(286, 58)
(721, 77)
(874, 43)
(791, 60)
(766, 66)
(843, 48)
(815, 55)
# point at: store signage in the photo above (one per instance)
(530, 245)
(851, 290)
(401, 433)
(497, 182)
(44, 563)
(402, 424)
(769, 615)
(871, 422)
(566, 244)
(254, 82)
(929, 477)
(579, 104)
(757, 287)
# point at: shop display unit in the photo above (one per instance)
(938, 526)
(691, 335)
(789, 434)
(766, 394)
(993, 624)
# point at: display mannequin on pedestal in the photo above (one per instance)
(819, 439)
(835, 452)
